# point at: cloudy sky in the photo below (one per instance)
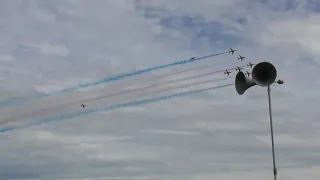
(50, 45)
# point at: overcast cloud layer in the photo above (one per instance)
(50, 45)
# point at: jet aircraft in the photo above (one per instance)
(232, 51)
(241, 57)
(227, 72)
(238, 68)
(83, 105)
(250, 65)
(247, 73)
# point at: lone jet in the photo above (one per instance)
(227, 72)
(192, 58)
(250, 65)
(238, 68)
(241, 58)
(247, 73)
(83, 105)
(231, 51)
(279, 81)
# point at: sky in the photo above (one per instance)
(47, 46)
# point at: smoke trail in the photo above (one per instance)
(112, 107)
(187, 85)
(154, 85)
(184, 70)
(61, 106)
(16, 100)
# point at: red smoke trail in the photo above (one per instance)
(154, 85)
(189, 85)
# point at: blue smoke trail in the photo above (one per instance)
(112, 107)
(16, 100)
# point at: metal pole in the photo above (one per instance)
(272, 140)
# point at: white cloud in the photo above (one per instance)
(172, 132)
(46, 48)
(302, 31)
(57, 85)
(6, 58)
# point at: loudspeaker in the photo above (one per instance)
(263, 74)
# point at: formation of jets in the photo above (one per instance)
(240, 58)
(231, 51)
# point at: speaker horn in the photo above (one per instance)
(243, 83)
(263, 74)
